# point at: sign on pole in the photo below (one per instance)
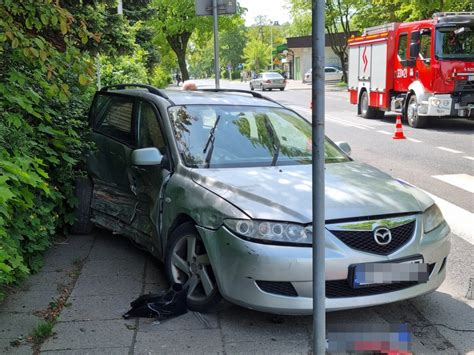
(224, 7)
(214, 8)
(318, 160)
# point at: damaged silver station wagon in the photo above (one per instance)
(217, 185)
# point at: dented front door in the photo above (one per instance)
(114, 200)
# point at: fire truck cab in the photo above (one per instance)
(422, 70)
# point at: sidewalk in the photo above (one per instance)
(103, 273)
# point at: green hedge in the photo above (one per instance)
(44, 95)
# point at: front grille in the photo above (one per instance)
(342, 289)
(464, 86)
(364, 240)
(278, 288)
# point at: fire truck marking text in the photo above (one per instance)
(402, 73)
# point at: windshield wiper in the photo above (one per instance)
(210, 143)
(275, 140)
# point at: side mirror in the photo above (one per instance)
(146, 157)
(345, 147)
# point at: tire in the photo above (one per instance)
(251, 87)
(281, 89)
(414, 120)
(192, 267)
(364, 109)
(82, 213)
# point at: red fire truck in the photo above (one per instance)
(423, 70)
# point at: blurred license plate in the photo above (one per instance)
(471, 77)
(396, 271)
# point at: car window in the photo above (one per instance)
(273, 75)
(245, 136)
(149, 131)
(425, 45)
(402, 46)
(112, 116)
(329, 70)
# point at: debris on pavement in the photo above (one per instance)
(160, 306)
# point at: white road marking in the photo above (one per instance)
(449, 150)
(338, 119)
(414, 140)
(463, 181)
(470, 158)
(385, 132)
(460, 220)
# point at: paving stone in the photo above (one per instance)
(18, 350)
(115, 247)
(109, 267)
(202, 341)
(45, 281)
(114, 285)
(16, 325)
(269, 347)
(104, 307)
(155, 288)
(90, 335)
(98, 351)
(28, 302)
(244, 325)
(188, 321)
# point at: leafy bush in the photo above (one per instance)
(43, 103)
(160, 77)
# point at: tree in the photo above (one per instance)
(377, 12)
(300, 12)
(256, 55)
(176, 21)
(338, 20)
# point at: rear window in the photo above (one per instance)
(273, 75)
(112, 116)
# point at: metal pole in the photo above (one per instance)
(216, 43)
(271, 46)
(319, 287)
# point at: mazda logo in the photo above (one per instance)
(382, 236)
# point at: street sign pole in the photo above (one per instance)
(216, 43)
(319, 287)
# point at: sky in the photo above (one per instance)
(273, 9)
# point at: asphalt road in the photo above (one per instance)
(439, 160)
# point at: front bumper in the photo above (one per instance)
(239, 264)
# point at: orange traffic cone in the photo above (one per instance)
(398, 129)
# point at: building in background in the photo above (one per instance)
(300, 61)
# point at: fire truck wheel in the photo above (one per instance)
(365, 110)
(414, 120)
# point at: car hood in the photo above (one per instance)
(284, 193)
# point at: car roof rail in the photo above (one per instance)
(150, 89)
(253, 93)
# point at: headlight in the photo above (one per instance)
(436, 102)
(267, 231)
(432, 218)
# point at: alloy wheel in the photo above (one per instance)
(190, 265)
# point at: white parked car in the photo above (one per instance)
(330, 74)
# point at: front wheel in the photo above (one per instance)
(187, 262)
(281, 89)
(414, 120)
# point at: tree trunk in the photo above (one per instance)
(179, 44)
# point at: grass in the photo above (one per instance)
(341, 83)
(42, 331)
